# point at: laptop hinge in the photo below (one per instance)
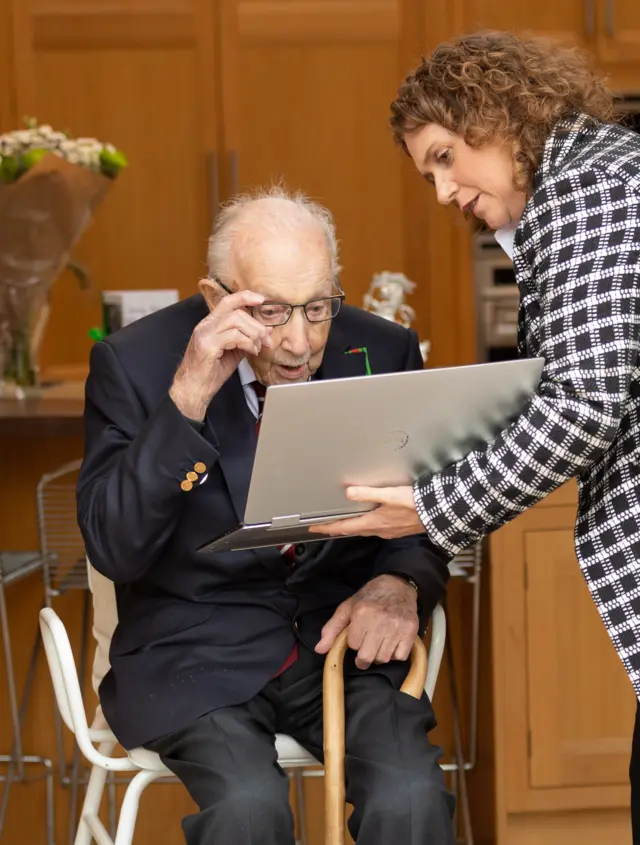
(285, 521)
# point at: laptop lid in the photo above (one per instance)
(318, 437)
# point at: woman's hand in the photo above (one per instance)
(395, 516)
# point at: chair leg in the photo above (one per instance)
(76, 770)
(129, 811)
(93, 796)
(111, 805)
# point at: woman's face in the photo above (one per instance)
(478, 180)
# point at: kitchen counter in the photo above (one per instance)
(56, 411)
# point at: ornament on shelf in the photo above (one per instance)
(385, 298)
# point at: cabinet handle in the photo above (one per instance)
(214, 185)
(590, 18)
(609, 11)
(234, 170)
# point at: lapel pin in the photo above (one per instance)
(363, 351)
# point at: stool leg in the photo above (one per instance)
(50, 799)
(459, 752)
(17, 759)
(11, 684)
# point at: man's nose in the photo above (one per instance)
(295, 333)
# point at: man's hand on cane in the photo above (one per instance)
(382, 618)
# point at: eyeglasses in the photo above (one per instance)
(279, 313)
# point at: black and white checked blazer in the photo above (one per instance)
(577, 263)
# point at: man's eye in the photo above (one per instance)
(272, 310)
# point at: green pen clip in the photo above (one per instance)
(363, 350)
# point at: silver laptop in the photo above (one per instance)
(384, 430)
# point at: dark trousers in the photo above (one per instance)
(227, 761)
(634, 775)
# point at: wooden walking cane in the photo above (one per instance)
(333, 704)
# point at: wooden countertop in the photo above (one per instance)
(55, 412)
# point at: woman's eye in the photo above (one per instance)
(444, 157)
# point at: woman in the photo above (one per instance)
(519, 133)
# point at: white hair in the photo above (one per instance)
(292, 213)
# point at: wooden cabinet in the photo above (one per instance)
(563, 707)
(609, 29)
(618, 32)
(572, 21)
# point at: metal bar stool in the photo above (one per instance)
(13, 567)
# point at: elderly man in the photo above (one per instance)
(215, 653)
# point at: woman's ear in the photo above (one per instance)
(211, 291)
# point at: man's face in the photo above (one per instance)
(293, 269)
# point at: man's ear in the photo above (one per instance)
(211, 291)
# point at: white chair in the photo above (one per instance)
(146, 764)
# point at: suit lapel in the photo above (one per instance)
(336, 363)
(230, 426)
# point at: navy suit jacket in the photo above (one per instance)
(198, 631)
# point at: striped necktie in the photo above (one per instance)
(288, 549)
(261, 392)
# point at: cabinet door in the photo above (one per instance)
(572, 21)
(563, 706)
(143, 75)
(581, 703)
(307, 92)
(619, 31)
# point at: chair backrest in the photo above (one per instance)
(60, 538)
(66, 687)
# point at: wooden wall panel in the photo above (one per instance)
(315, 81)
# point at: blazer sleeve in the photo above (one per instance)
(128, 494)
(586, 271)
(416, 557)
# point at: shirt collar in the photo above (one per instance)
(245, 371)
(505, 238)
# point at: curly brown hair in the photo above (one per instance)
(491, 86)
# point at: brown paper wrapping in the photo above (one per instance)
(42, 216)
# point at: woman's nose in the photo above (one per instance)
(445, 190)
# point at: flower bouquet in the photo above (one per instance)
(50, 187)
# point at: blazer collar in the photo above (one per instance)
(560, 146)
